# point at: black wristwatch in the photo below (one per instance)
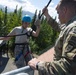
(37, 65)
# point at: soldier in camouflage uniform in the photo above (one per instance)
(65, 47)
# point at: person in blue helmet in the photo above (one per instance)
(22, 49)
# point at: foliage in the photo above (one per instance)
(46, 37)
(10, 20)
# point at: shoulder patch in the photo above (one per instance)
(71, 44)
(69, 48)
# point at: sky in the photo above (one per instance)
(30, 5)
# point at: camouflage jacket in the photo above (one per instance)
(65, 48)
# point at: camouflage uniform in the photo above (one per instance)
(22, 47)
(65, 52)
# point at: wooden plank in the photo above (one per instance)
(47, 56)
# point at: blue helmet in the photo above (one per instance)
(26, 18)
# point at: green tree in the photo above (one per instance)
(10, 20)
(33, 21)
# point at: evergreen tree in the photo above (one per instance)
(33, 21)
(10, 20)
(5, 22)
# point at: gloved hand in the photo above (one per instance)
(37, 23)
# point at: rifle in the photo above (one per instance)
(46, 7)
(34, 26)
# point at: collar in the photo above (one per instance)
(70, 21)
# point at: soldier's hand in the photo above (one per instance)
(45, 11)
(32, 63)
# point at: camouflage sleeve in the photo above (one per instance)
(69, 47)
(54, 24)
(43, 68)
(58, 67)
(54, 68)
